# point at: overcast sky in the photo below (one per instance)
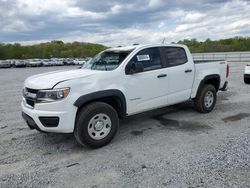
(122, 22)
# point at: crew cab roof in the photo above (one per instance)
(133, 47)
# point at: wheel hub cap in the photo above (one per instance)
(209, 99)
(99, 126)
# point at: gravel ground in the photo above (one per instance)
(171, 147)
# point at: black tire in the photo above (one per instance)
(85, 117)
(200, 103)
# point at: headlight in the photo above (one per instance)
(52, 95)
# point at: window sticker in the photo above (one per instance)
(143, 57)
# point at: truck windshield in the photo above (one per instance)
(107, 60)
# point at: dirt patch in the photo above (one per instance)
(181, 125)
(139, 132)
(136, 133)
(236, 117)
(224, 96)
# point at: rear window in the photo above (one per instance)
(175, 56)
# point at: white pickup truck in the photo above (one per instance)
(119, 82)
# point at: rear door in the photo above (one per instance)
(180, 74)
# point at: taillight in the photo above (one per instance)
(227, 75)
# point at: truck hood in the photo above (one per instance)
(50, 79)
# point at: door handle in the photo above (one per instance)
(188, 70)
(161, 75)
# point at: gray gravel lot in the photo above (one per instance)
(171, 147)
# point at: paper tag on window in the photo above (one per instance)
(143, 57)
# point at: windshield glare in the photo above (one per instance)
(107, 60)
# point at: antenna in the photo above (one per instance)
(163, 41)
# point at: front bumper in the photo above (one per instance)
(30, 122)
(50, 117)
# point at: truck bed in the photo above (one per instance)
(209, 67)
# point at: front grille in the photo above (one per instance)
(32, 90)
(30, 100)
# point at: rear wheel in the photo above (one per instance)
(96, 124)
(205, 99)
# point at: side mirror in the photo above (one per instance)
(134, 67)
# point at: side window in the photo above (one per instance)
(175, 56)
(150, 58)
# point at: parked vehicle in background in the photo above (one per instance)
(120, 82)
(57, 62)
(68, 61)
(19, 63)
(46, 62)
(247, 74)
(34, 63)
(5, 64)
(79, 61)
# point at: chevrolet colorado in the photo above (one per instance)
(119, 82)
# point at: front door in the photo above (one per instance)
(148, 89)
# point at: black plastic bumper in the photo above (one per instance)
(30, 122)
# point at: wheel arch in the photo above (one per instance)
(213, 79)
(113, 97)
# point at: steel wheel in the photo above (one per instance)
(209, 99)
(99, 126)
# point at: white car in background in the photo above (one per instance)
(5, 64)
(34, 63)
(81, 62)
(19, 63)
(46, 62)
(58, 62)
(247, 74)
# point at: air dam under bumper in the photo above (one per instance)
(45, 118)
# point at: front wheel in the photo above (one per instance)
(205, 99)
(96, 124)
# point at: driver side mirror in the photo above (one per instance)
(134, 67)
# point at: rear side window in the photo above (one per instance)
(175, 56)
(150, 58)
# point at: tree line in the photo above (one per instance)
(60, 49)
(51, 49)
(235, 44)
